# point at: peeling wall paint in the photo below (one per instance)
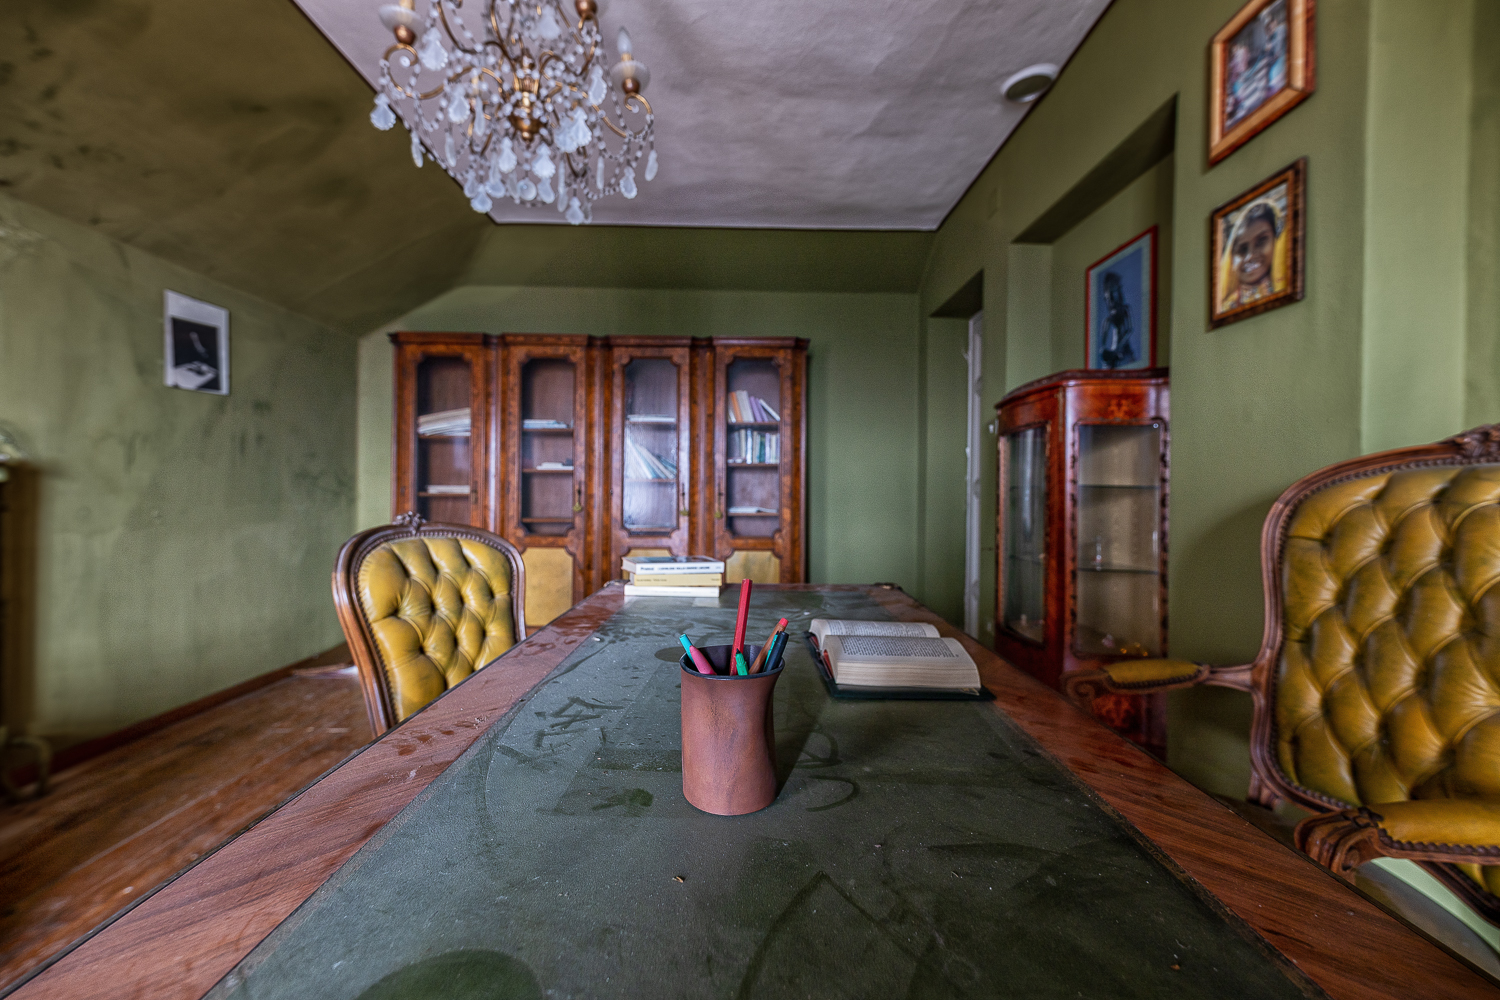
(185, 539)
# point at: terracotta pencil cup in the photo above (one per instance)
(728, 736)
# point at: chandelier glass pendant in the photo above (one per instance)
(519, 112)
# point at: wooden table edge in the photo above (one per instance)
(181, 940)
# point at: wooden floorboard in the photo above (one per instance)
(117, 826)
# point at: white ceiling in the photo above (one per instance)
(800, 114)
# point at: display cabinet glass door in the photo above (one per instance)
(550, 493)
(1025, 520)
(652, 462)
(445, 435)
(752, 448)
(1119, 520)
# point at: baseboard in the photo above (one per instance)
(76, 754)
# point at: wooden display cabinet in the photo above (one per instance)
(441, 450)
(760, 476)
(582, 450)
(1082, 532)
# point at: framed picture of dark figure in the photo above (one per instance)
(197, 345)
(1120, 312)
(1260, 67)
(1256, 259)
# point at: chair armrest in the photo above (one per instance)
(1135, 677)
(1457, 831)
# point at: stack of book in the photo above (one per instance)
(642, 463)
(747, 409)
(673, 576)
(444, 423)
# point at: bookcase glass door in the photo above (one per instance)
(550, 493)
(652, 499)
(752, 448)
(1025, 519)
(1119, 542)
(445, 480)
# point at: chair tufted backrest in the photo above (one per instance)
(1387, 682)
(430, 606)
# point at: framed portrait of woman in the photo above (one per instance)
(1256, 261)
(1260, 67)
(1120, 311)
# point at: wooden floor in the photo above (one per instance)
(114, 828)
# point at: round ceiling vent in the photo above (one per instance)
(1030, 83)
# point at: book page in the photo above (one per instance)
(871, 647)
(821, 628)
(900, 661)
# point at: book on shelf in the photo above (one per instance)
(650, 418)
(634, 590)
(865, 654)
(444, 423)
(446, 490)
(671, 564)
(748, 446)
(642, 463)
(553, 467)
(544, 424)
(747, 409)
(751, 509)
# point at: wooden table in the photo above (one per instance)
(185, 938)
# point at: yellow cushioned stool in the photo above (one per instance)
(423, 606)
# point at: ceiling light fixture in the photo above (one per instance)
(1029, 84)
(518, 112)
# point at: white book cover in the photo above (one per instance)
(633, 590)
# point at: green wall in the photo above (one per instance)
(1395, 342)
(185, 539)
(863, 431)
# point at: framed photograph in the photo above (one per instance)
(1120, 314)
(1256, 262)
(1260, 67)
(197, 347)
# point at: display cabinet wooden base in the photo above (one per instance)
(1082, 533)
(583, 450)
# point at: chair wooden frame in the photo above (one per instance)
(1339, 837)
(362, 646)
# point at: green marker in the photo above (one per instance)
(739, 664)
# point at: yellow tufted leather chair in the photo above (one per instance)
(423, 606)
(1377, 686)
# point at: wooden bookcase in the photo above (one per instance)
(582, 450)
(1082, 532)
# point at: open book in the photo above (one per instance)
(862, 654)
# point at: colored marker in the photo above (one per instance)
(739, 623)
(699, 660)
(774, 660)
(760, 658)
(739, 664)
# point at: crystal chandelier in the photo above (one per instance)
(519, 113)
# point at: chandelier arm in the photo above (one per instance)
(625, 133)
(499, 35)
(396, 86)
(443, 14)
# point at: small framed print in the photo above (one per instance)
(1257, 262)
(197, 345)
(1120, 312)
(1260, 67)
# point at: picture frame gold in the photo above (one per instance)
(1256, 258)
(1261, 65)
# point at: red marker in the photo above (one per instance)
(739, 623)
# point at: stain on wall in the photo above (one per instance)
(185, 539)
